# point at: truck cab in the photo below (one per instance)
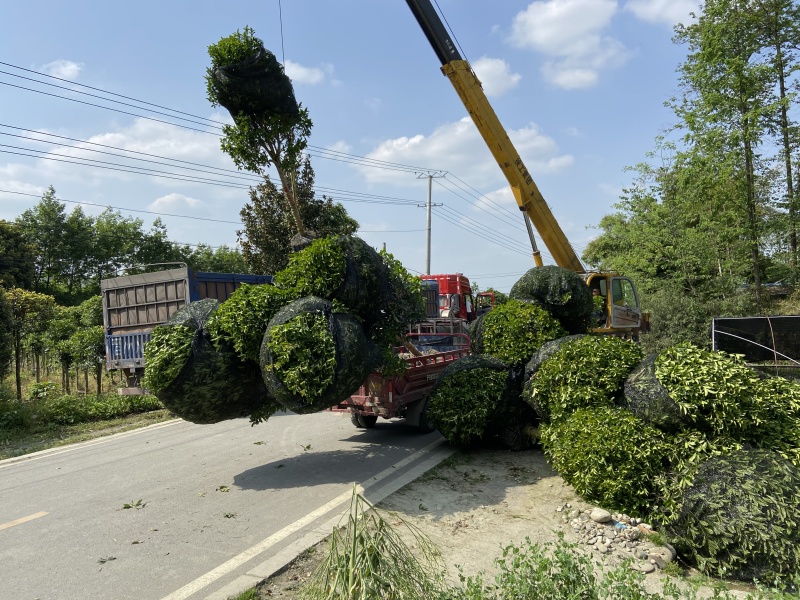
(455, 296)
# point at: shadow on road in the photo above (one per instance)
(373, 451)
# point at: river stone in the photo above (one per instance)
(599, 515)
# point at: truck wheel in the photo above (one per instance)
(367, 421)
(355, 419)
(425, 425)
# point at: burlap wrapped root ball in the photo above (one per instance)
(344, 269)
(514, 331)
(313, 358)
(197, 380)
(476, 400)
(561, 292)
(587, 371)
(609, 456)
(741, 517)
(242, 320)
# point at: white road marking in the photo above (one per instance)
(10, 524)
(226, 567)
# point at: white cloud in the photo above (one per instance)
(341, 146)
(669, 12)
(570, 34)
(308, 75)
(65, 69)
(172, 201)
(495, 75)
(458, 148)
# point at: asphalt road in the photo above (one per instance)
(212, 508)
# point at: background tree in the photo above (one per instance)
(727, 98)
(6, 336)
(44, 226)
(30, 312)
(223, 259)
(17, 257)
(268, 224)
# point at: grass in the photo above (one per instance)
(25, 441)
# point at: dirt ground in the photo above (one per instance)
(471, 506)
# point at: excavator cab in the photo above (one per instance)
(617, 311)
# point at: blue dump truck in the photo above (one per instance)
(134, 304)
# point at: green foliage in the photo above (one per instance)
(167, 352)
(741, 517)
(368, 560)
(404, 303)
(716, 392)
(243, 318)
(513, 331)
(268, 226)
(303, 354)
(588, 371)
(43, 390)
(609, 457)
(560, 292)
(467, 400)
(6, 336)
(17, 256)
(70, 410)
(318, 270)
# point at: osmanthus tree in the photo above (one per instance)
(268, 224)
(270, 128)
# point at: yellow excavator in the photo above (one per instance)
(619, 313)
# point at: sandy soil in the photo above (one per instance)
(472, 506)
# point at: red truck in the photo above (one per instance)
(405, 396)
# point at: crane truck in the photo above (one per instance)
(620, 313)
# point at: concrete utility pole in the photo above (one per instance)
(429, 205)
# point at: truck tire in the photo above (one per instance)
(368, 421)
(425, 425)
(355, 420)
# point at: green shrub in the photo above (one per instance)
(14, 414)
(71, 410)
(561, 292)
(718, 394)
(317, 270)
(587, 371)
(303, 354)
(40, 391)
(741, 517)
(167, 352)
(513, 331)
(467, 403)
(403, 304)
(243, 318)
(313, 357)
(609, 456)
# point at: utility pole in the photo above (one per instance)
(429, 205)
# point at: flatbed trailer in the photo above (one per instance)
(405, 396)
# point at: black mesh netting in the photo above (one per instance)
(256, 86)
(741, 517)
(214, 384)
(547, 350)
(758, 339)
(561, 292)
(649, 400)
(363, 288)
(476, 400)
(313, 358)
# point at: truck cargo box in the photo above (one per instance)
(134, 304)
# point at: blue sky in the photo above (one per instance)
(580, 86)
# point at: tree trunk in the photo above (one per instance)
(98, 373)
(17, 352)
(86, 381)
(37, 361)
(787, 154)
